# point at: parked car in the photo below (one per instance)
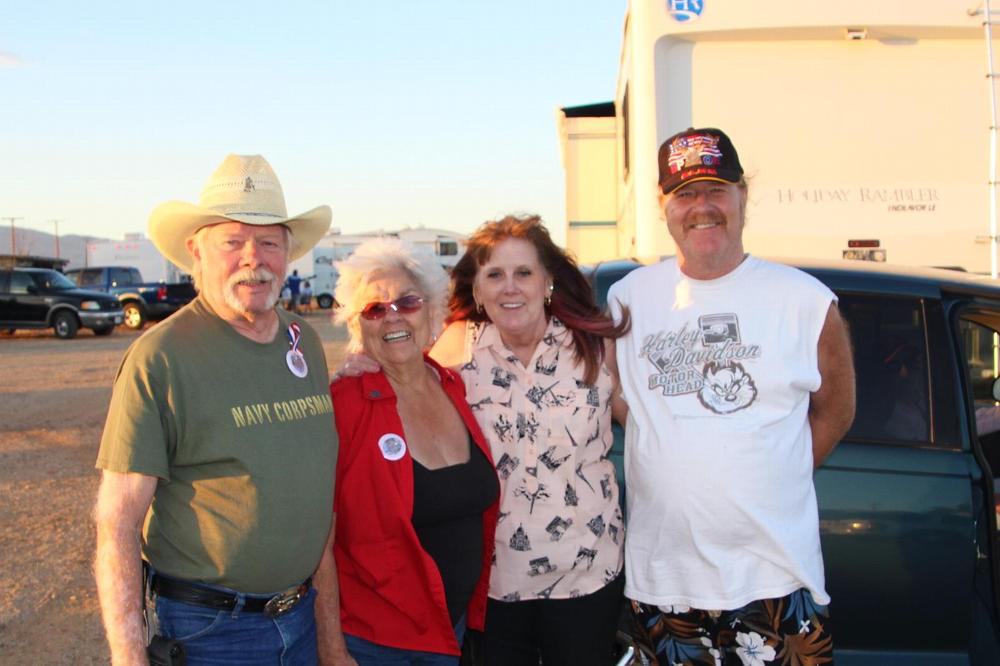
(44, 298)
(907, 501)
(141, 301)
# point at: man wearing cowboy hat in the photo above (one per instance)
(219, 449)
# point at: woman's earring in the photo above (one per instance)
(548, 297)
(479, 307)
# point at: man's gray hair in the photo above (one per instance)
(199, 239)
(374, 258)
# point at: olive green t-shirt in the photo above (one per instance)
(244, 450)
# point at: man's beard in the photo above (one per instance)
(249, 275)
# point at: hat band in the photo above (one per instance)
(254, 214)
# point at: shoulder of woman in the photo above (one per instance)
(345, 388)
(450, 350)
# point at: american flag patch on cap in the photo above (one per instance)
(694, 150)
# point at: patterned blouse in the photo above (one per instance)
(560, 532)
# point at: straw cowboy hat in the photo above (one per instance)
(243, 189)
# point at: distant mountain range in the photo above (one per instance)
(40, 243)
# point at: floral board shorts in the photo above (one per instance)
(790, 631)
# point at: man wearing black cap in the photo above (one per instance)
(739, 380)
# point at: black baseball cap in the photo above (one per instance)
(698, 154)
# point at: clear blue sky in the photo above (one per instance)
(440, 113)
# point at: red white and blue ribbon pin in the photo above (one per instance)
(295, 359)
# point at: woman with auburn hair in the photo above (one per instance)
(537, 358)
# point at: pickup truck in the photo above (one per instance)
(44, 298)
(907, 501)
(141, 301)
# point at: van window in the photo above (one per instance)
(978, 333)
(890, 360)
(981, 365)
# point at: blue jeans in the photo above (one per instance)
(367, 653)
(212, 636)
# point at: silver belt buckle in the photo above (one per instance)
(280, 604)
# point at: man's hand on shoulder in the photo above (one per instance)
(355, 365)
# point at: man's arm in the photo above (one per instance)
(122, 501)
(619, 408)
(329, 637)
(831, 408)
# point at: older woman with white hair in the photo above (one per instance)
(416, 491)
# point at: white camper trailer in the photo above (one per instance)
(863, 127)
(137, 251)
(319, 265)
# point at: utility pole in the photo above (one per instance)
(56, 222)
(13, 237)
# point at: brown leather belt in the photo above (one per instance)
(189, 593)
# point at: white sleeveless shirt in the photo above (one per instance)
(718, 450)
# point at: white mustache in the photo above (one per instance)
(249, 275)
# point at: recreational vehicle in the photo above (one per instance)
(319, 265)
(863, 128)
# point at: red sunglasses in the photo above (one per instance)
(405, 305)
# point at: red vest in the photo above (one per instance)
(390, 589)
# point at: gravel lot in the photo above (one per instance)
(53, 399)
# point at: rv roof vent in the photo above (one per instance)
(855, 34)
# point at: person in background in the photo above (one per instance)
(306, 297)
(285, 299)
(218, 453)
(537, 357)
(417, 493)
(294, 284)
(739, 379)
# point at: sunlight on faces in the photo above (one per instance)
(512, 285)
(397, 338)
(248, 278)
(706, 218)
(241, 267)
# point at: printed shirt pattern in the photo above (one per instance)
(560, 532)
(718, 376)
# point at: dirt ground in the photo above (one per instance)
(53, 399)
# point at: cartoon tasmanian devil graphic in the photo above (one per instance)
(728, 388)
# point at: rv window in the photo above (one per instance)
(447, 248)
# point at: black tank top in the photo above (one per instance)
(448, 506)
